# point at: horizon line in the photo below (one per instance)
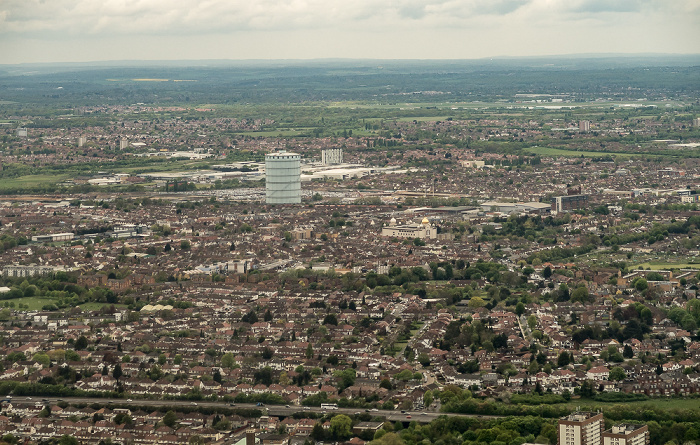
(369, 59)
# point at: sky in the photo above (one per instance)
(41, 31)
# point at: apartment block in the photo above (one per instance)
(569, 203)
(626, 434)
(332, 156)
(580, 428)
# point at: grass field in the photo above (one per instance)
(674, 403)
(273, 133)
(665, 266)
(31, 181)
(34, 303)
(547, 151)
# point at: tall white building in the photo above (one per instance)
(283, 178)
(332, 156)
(584, 126)
(22, 132)
(581, 428)
(123, 143)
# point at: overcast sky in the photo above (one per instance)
(97, 30)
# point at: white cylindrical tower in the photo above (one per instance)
(283, 178)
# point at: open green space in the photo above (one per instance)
(34, 303)
(548, 151)
(280, 132)
(653, 265)
(657, 403)
(31, 181)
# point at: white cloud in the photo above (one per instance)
(346, 28)
(178, 16)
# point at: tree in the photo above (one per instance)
(476, 302)
(580, 294)
(196, 440)
(341, 426)
(547, 272)
(345, 378)
(251, 317)
(72, 356)
(81, 343)
(67, 440)
(330, 319)
(519, 308)
(117, 371)
(423, 359)
(318, 433)
(627, 352)
(284, 379)
(587, 389)
(404, 375)
(563, 359)
(123, 418)
(532, 321)
(641, 284)
(43, 358)
(428, 398)
(309, 351)
(387, 439)
(170, 419)
(617, 374)
(263, 376)
(267, 353)
(177, 360)
(185, 244)
(9, 438)
(228, 361)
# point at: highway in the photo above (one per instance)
(272, 410)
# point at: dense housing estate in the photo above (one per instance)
(270, 275)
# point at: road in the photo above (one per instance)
(272, 410)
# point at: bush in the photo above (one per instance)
(619, 397)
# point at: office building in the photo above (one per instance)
(283, 178)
